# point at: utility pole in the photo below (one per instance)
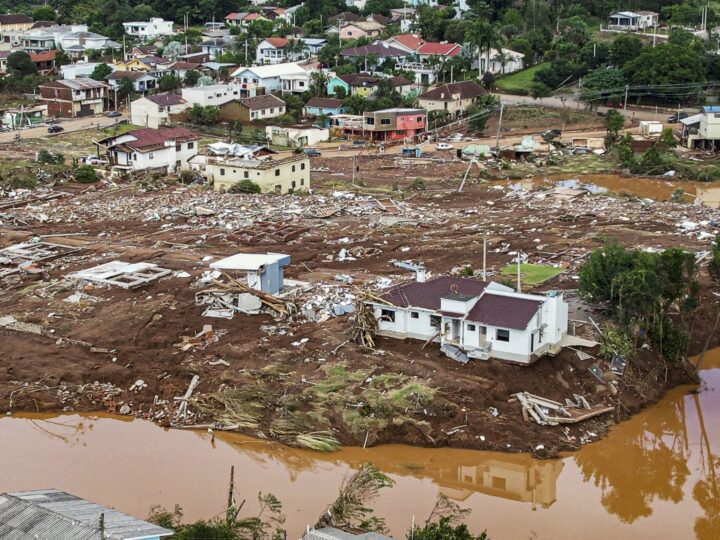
(231, 499)
(497, 137)
(626, 95)
(519, 286)
(353, 170)
(484, 273)
(452, 80)
(102, 526)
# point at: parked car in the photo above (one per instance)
(311, 152)
(93, 160)
(675, 118)
(456, 137)
(359, 143)
(444, 146)
(113, 114)
(55, 129)
(551, 134)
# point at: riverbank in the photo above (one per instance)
(653, 475)
(87, 348)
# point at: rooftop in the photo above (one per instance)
(49, 513)
(382, 50)
(262, 102)
(440, 49)
(453, 91)
(250, 261)
(272, 70)
(166, 99)
(15, 18)
(324, 103)
(427, 294)
(504, 311)
(79, 83)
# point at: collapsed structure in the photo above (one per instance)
(472, 318)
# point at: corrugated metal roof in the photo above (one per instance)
(331, 533)
(55, 515)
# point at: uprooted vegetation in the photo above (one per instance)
(363, 403)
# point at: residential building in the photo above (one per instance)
(407, 42)
(254, 108)
(347, 126)
(213, 94)
(162, 150)
(262, 271)
(77, 44)
(331, 533)
(154, 28)
(289, 175)
(482, 319)
(47, 37)
(632, 21)
(322, 106)
(702, 131)
(394, 124)
(501, 62)
(12, 24)
(216, 47)
(360, 29)
(82, 69)
(138, 51)
(341, 18)
(243, 19)
(364, 84)
(44, 62)
(3, 61)
(381, 51)
(135, 64)
(289, 78)
(155, 110)
(49, 513)
(444, 50)
(74, 98)
(141, 81)
(296, 137)
(180, 68)
(277, 50)
(453, 98)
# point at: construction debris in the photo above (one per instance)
(122, 274)
(540, 409)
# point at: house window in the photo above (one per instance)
(388, 315)
(191, 146)
(302, 181)
(272, 111)
(435, 321)
(414, 315)
(400, 132)
(419, 119)
(502, 335)
(222, 172)
(302, 166)
(293, 184)
(246, 174)
(293, 168)
(151, 156)
(471, 327)
(385, 121)
(370, 121)
(134, 156)
(277, 172)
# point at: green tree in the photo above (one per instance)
(191, 77)
(245, 186)
(714, 264)
(85, 174)
(539, 90)
(624, 48)
(100, 72)
(168, 83)
(62, 59)
(614, 122)
(444, 530)
(666, 64)
(43, 13)
(485, 37)
(125, 87)
(19, 64)
(603, 84)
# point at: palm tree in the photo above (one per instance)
(485, 37)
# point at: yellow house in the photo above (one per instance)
(14, 22)
(289, 175)
(131, 65)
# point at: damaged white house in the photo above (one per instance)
(474, 318)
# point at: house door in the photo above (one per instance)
(482, 336)
(532, 342)
(85, 110)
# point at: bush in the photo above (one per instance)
(245, 186)
(45, 157)
(467, 271)
(714, 264)
(85, 174)
(418, 185)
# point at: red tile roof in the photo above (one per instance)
(504, 311)
(44, 56)
(440, 49)
(277, 42)
(411, 41)
(427, 294)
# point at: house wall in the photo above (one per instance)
(336, 83)
(291, 177)
(162, 159)
(319, 111)
(413, 323)
(709, 125)
(217, 94)
(457, 106)
(353, 32)
(263, 114)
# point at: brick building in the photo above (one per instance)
(74, 98)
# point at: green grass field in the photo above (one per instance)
(520, 80)
(532, 274)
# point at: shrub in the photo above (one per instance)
(467, 271)
(245, 186)
(49, 158)
(418, 185)
(85, 174)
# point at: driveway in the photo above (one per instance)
(69, 124)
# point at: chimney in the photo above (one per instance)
(420, 275)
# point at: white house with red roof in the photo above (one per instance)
(479, 319)
(421, 55)
(163, 150)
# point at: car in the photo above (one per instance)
(551, 134)
(675, 118)
(311, 152)
(359, 142)
(444, 146)
(113, 114)
(455, 137)
(55, 129)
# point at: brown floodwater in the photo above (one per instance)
(654, 476)
(648, 188)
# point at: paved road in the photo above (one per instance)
(70, 125)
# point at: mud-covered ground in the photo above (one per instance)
(299, 375)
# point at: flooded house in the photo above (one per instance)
(471, 318)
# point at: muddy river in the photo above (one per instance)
(655, 476)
